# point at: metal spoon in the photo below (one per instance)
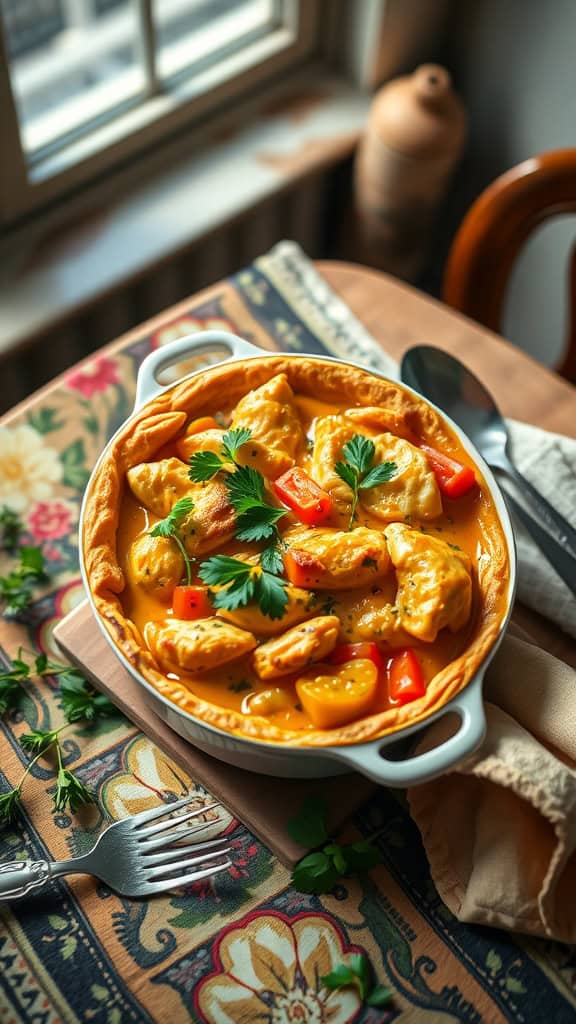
(453, 388)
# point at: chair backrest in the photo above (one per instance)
(495, 229)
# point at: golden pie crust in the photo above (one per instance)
(161, 420)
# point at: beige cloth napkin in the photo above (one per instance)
(500, 829)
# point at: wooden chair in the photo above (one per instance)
(495, 229)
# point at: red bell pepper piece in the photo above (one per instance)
(303, 496)
(350, 652)
(405, 679)
(454, 479)
(191, 603)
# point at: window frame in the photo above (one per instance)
(25, 190)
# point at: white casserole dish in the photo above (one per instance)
(381, 759)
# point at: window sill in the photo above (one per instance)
(56, 273)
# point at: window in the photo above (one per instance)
(86, 83)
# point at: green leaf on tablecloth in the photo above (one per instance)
(315, 873)
(73, 460)
(44, 420)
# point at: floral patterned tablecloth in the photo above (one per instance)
(246, 946)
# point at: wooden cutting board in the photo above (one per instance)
(264, 804)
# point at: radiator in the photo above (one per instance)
(301, 213)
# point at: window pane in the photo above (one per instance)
(193, 34)
(72, 62)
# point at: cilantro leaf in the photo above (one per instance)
(380, 996)
(341, 977)
(360, 857)
(359, 471)
(308, 827)
(37, 741)
(173, 521)
(170, 527)
(9, 804)
(203, 466)
(10, 529)
(245, 488)
(32, 563)
(347, 474)
(271, 560)
(80, 702)
(10, 691)
(357, 974)
(233, 441)
(221, 569)
(241, 583)
(70, 791)
(359, 453)
(258, 523)
(271, 595)
(378, 475)
(315, 873)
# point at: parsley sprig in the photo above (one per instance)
(319, 872)
(359, 471)
(10, 529)
(242, 582)
(16, 588)
(205, 465)
(256, 519)
(356, 973)
(79, 701)
(171, 526)
(70, 791)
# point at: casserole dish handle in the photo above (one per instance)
(205, 342)
(370, 758)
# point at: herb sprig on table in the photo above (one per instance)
(319, 871)
(170, 527)
(358, 469)
(356, 973)
(16, 588)
(79, 701)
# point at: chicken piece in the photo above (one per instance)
(412, 491)
(159, 485)
(298, 648)
(371, 617)
(276, 433)
(378, 420)
(156, 565)
(334, 559)
(301, 606)
(201, 441)
(331, 433)
(197, 646)
(434, 584)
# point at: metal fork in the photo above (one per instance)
(132, 856)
